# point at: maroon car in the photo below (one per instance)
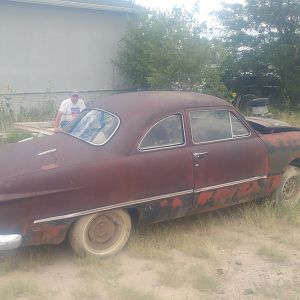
(141, 158)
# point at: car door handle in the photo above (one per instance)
(200, 155)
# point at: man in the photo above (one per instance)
(68, 110)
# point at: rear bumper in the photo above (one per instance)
(9, 242)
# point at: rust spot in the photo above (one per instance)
(273, 183)
(176, 202)
(204, 197)
(224, 193)
(164, 203)
(49, 167)
(45, 233)
(246, 189)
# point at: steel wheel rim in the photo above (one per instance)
(290, 189)
(103, 232)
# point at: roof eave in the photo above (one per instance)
(66, 3)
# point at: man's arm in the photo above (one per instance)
(83, 106)
(57, 121)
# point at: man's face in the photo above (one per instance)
(74, 99)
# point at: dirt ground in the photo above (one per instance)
(248, 252)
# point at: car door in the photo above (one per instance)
(229, 159)
(161, 171)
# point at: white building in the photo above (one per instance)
(61, 45)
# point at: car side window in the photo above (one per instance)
(215, 125)
(210, 125)
(166, 133)
(238, 128)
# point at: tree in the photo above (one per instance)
(264, 41)
(166, 51)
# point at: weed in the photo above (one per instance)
(200, 246)
(7, 116)
(270, 217)
(44, 112)
(8, 113)
(27, 259)
(151, 242)
(13, 137)
(103, 270)
(272, 254)
(291, 117)
(202, 280)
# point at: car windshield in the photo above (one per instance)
(94, 126)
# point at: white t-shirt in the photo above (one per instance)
(70, 110)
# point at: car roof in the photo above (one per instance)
(125, 105)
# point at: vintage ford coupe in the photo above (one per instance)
(141, 158)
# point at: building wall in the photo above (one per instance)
(57, 48)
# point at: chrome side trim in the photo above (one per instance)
(119, 205)
(25, 140)
(230, 184)
(47, 152)
(10, 242)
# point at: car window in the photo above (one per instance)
(167, 132)
(238, 128)
(93, 126)
(210, 125)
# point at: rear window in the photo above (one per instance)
(166, 133)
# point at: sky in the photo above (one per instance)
(206, 6)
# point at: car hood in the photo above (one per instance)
(37, 154)
(41, 165)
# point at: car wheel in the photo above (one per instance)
(289, 190)
(101, 234)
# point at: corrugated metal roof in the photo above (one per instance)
(110, 5)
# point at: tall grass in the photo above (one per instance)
(8, 115)
(291, 117)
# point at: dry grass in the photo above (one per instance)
(271, 253)
(197, 236)
(202, 280)
(20, 290)
(206, 235)
(86, 293)
(270, 217)
(151, 242)
(290, 117)
(282, 290)
(106, 271)
(126, 293)
(31, 258)
(172, 276)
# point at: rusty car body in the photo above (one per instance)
(140, 157)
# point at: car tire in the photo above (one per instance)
(289, 189)
(101, 234)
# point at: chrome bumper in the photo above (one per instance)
(9, 242)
